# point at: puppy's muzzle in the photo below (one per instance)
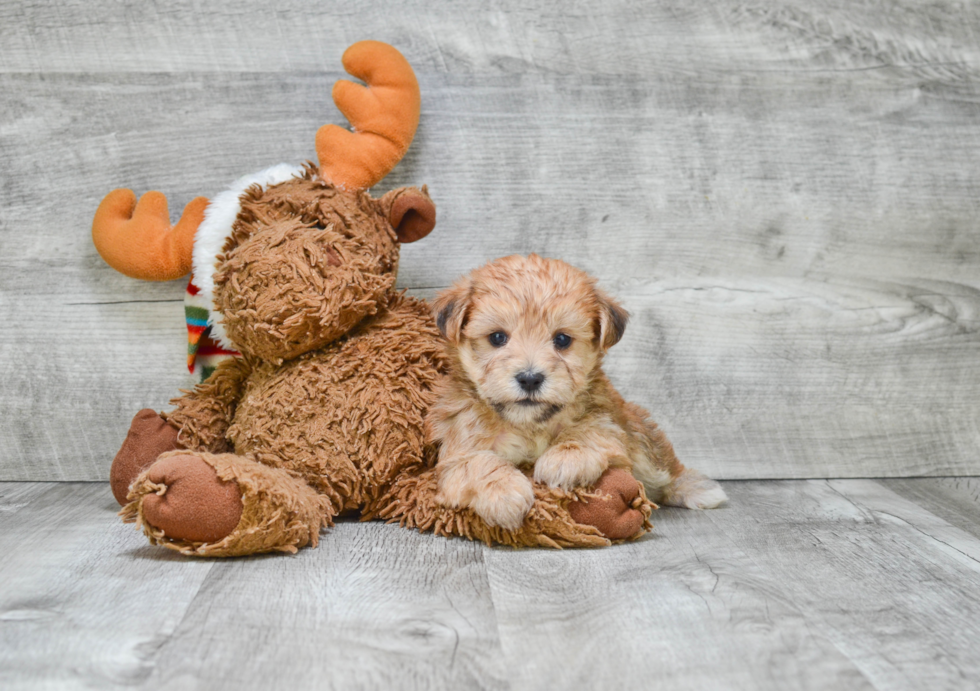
(529, 380)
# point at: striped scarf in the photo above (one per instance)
(204, 354)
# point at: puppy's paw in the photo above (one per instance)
(692, 490)
(505, 500)
(569, 465)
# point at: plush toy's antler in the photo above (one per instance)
(384, 115)
(137, 240)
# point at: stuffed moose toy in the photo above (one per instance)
(320, 411)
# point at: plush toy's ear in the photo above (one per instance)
(410, 211)
(612, 320)
(451, 308)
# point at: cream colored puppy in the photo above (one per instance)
(526, 339)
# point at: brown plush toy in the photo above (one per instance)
(322, 412)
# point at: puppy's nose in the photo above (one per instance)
(529, 381)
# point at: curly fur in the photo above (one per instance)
(323, 413)
(304, 264)
(536, 397)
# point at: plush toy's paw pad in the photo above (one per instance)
(192, 502)
(149, 436)
(616, 512)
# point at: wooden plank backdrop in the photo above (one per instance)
(784, 194)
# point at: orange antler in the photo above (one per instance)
(384, 116)
(137, 240)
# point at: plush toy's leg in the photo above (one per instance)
(223, 505)
(548, 524)
(149, 436)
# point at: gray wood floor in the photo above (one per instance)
(816, 584)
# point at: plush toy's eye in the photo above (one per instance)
(497, 339)
(562, 341)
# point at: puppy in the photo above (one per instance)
(526, 338)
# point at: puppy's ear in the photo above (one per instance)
(410, 212)
(450, 308)
(612, 320)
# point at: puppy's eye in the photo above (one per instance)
(497, 339)
(562, 341)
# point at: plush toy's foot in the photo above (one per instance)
(192, 503)
(149, 436)
(620, 509)
(222, 505)
(549, 523)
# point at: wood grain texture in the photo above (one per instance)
(816, 584)
(810, 585)
(874, 573)
(954, 499)
(784, 195)
(86, 603)
(486, 35)
(683, 607)
(374, 607)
